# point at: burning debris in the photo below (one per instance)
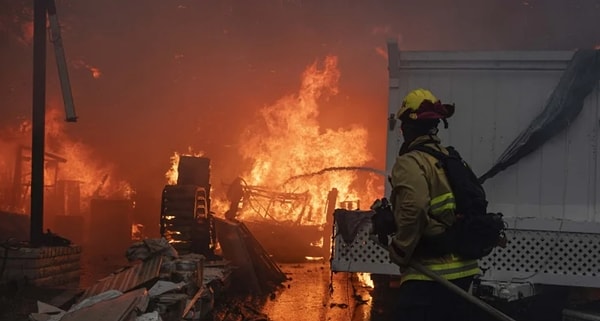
(289, 142)
(295, 165)
(67, 160)
(172, 173)
(79, 190)
(185, 219)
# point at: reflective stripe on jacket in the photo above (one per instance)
(423, 206)
(450, 267)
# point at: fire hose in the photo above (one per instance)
(383, 227)
(462, 293)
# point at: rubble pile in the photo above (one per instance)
(160, 286)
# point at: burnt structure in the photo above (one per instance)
(185, 218)
(291, 240)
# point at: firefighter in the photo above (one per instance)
(423, 206)
(235, 193)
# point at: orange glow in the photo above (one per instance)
(95, 71)
(26, 36)
(96, 179)
(172, 174)
(291, 142)
(382, 52)
(365, 280)
(218, 205)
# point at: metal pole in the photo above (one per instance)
(38, 121)
(394, 102)
(61, 62)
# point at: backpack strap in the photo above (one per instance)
(440, 157)
(426, 149)
(433, 152)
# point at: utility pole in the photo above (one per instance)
(40, 8)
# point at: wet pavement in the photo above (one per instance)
(314, 293)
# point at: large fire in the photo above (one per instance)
(289, 142)
(294, 163)
(67, 160)
(96, 178)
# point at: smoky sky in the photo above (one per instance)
(178, 74)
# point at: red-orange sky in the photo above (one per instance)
(151, 77)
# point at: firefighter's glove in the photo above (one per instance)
(381, 240)
(383, 221)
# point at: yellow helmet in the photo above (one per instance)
(413, 100)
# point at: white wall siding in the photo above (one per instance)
(497, 95)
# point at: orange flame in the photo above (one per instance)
(17, 23)
(96, 73)
(95, 178)
(365, 280)
(10, 138)
(292, 143)
(172, 174)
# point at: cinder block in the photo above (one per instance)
(43, 262)
(42, 252)
(36, 273)
(64, 279)
(45, 266)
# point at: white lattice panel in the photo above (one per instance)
(362, 255)
(543, 257)
(546, 257)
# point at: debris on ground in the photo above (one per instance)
(160, 286)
